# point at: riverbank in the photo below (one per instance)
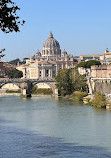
(19, 94)
(10, 94)
(96, 100)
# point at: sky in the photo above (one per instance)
(80, 26)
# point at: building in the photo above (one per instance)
(101, 71)
(89, 57)
(48, 62)
(106, 58)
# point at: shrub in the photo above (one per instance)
(78, 95)
(99, 100)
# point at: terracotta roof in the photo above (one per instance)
(23, 65)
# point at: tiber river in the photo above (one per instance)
(42, 127)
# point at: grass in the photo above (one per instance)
(44, 91)
(13, 91)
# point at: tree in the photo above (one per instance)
(9, 21)
(64, 82)
(14, 73)
(69, 80)
(15, 61)
(78, 81)
(88, 64)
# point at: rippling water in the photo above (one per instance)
(44, 127)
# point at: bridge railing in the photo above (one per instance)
(25, 80)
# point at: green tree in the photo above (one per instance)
(78, 81)
(88, 64)
(14, 73)
(9, 20)
(64, 82)
(14, 62)
(69, 80)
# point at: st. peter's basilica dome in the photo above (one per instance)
(51, 47)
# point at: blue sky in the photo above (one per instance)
(80, 26)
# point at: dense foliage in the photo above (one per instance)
(14, 73)
(99, 100)
(64, 82)
(9, 21)
(45, 91)
(88, 64)
(69, 80)
(78, 95)
(15, 61)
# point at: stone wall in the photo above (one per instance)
(101, 71)
(103, 86)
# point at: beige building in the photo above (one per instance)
(89, 57)
(47, 63)
(101, 71)
(106, 57)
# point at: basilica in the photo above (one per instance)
(48, 62)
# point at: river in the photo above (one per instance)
(43, 127)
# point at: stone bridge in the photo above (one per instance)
(27, 84)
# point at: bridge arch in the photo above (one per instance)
(50, 85)
(43, 85)
(10, 86)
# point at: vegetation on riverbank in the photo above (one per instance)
(99, 100)
(45, 91)
(69, 80)
(73, 86)
(78, 95)
(12, 91)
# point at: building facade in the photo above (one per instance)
(101, 71)
(48, 62)
(89, 57)
(106, 58)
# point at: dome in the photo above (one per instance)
(51, 47)
(51, 42)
